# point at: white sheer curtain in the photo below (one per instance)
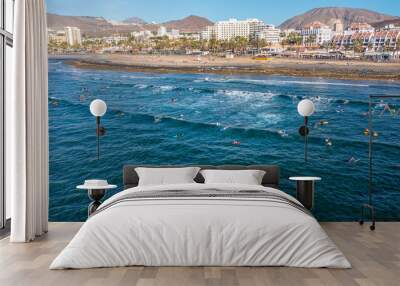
(27, 124)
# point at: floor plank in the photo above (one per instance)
(375, 257)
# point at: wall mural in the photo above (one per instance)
(216, 119)
(224, 104)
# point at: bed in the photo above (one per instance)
(197, 224)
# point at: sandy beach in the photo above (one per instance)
(352, 70)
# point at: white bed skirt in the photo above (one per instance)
(200, 232)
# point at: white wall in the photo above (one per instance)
(9, 26)
(8, 69)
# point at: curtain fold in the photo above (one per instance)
(27, 124)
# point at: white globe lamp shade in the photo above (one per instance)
(306, 107)
(98, 107)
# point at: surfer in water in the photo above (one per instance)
(386, 108)
(328, 142)
(353, 160)
(283, 133)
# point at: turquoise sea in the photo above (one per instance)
(218, 119)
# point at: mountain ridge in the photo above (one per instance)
(99, 26)
(191, 23)
(134, 20)
(327, 15)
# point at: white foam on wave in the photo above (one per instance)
(164, 88)
(279, 82)
(141, 86)
(72, 71)
(142, 77)
(321, 99)
(301, 82)
(268, 118)
(325, 83)
(246, 94)
(217, 80)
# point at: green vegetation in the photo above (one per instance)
(388, 47)
(398, 44)
(310, 40)
(358, 46)
(165, 45)
(293, 39)
(238, 45)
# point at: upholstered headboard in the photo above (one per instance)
(271, 177)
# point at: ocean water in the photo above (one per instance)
(195, 119)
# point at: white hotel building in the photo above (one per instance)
(162, 31)
(323, 34)
(227, 30)
(270, 34)
(73, 36)
(172, 34)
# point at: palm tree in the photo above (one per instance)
(330, 46)
(387, 47)
(298, 39)
(397, 47)
(370, 45)
(196, 44)
(162, 44)
(284, 42)
(131, 42)
(64, 45)
(52, 45)
(358, 46)
(294, 39)
(204, 45)
(241, 43)
(311, 39)
(213, 44)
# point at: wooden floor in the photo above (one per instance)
(375, 257)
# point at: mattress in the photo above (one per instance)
(201, 225)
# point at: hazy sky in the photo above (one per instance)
(274, 12)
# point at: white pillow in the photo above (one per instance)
(166, 176)
(247, 177)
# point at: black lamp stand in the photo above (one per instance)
(370, 205)
(304, 131)
(100, 131)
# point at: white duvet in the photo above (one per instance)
(202, 232)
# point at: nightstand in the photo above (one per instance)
(96, 190)
(305, 190)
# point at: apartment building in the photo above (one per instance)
(320, 32)
(58, 36)
(270, 34)
(142, 35)
(382, 40)
(377, 41)
(359, 28)
(232, 28)
(73, 36)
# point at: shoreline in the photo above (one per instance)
(342, 70)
